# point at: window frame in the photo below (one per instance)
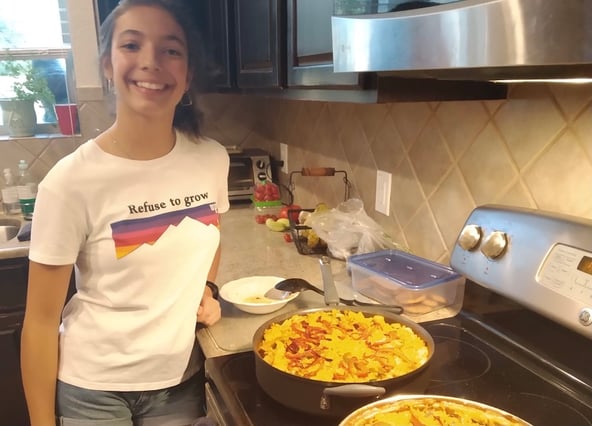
(62, 52)
(44, 53)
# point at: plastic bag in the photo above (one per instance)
(347, 230)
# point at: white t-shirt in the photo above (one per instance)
(143, 235)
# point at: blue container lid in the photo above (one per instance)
(404, 268)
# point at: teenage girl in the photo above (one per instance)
(136, 210)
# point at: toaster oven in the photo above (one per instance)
(247, 168)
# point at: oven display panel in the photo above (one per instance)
(585, 265)
(568, 271)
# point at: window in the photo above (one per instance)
(35, 33)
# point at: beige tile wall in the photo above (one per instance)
(533, 150)
(43, 151)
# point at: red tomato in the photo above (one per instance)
(259, 192)
(287, 237)
(267, 191)
(260, 218)
(286, 213)
(283, 214)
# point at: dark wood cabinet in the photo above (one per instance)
(14, 273)
(259, 28)
(13, 293)
(13, 409)
(287, 44)
(103, 8)
(284, 48)
(214, 23)
(310, 47)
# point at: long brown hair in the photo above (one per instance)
(187, 118)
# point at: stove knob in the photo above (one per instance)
(261, 164)
(585, 317)
(470, 237)
(494, 244)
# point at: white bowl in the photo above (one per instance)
(247, 294)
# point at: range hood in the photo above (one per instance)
(470, 40)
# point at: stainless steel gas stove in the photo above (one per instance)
(522, 342)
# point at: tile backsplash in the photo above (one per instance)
(533, 149)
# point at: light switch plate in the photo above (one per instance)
(383, 192)
(284, 157)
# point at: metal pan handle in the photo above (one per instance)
(354, 390)
(331, 295)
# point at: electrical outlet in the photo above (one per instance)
(284, 157)
(383, 192)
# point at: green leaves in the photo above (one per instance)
(29, 84)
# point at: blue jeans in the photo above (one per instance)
(180, 405)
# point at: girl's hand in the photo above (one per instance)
(209, 311)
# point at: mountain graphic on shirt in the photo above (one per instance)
(130, 234)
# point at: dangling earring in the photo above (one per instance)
(110, 85)
(186, 100)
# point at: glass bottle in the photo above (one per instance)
(10, 199)
(27, 190)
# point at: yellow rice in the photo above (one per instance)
(343, 346)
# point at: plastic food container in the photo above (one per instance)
(267, 209)
(395, 277)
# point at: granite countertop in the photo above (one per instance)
(14, 248)
(250, 249)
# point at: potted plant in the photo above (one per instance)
(28, 87)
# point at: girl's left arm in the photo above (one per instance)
(209, 311)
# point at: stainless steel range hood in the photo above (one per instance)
(470, 40)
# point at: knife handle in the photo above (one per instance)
(331, 295)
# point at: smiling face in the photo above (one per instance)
(148, 62)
